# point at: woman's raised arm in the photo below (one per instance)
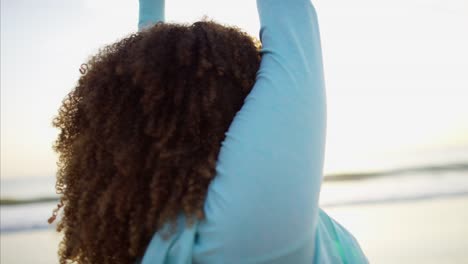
(262, 206)
(150, 12)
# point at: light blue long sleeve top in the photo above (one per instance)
(262, 205)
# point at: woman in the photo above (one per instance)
(178, 145)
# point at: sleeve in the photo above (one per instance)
(150, 12)
(262, 206)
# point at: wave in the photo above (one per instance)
(26, 217)
(429, 169)
(34, 216)
(13, 202)
(385, 200)
(47, 194)
(399, 185)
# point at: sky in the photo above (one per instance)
(396, 72)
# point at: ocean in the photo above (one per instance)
(27, 203)
(411, 212)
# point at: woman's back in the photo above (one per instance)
(188, 143)
(262, 205)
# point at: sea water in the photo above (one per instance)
(27, 203)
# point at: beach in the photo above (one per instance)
(426, 231)
(423, 231)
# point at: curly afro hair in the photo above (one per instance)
(140, 134)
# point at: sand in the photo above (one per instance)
(426, 231)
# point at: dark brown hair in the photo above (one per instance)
(140, 135)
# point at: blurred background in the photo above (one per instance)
(397, 142)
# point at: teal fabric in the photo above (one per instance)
(150, 12)
(262, 206)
